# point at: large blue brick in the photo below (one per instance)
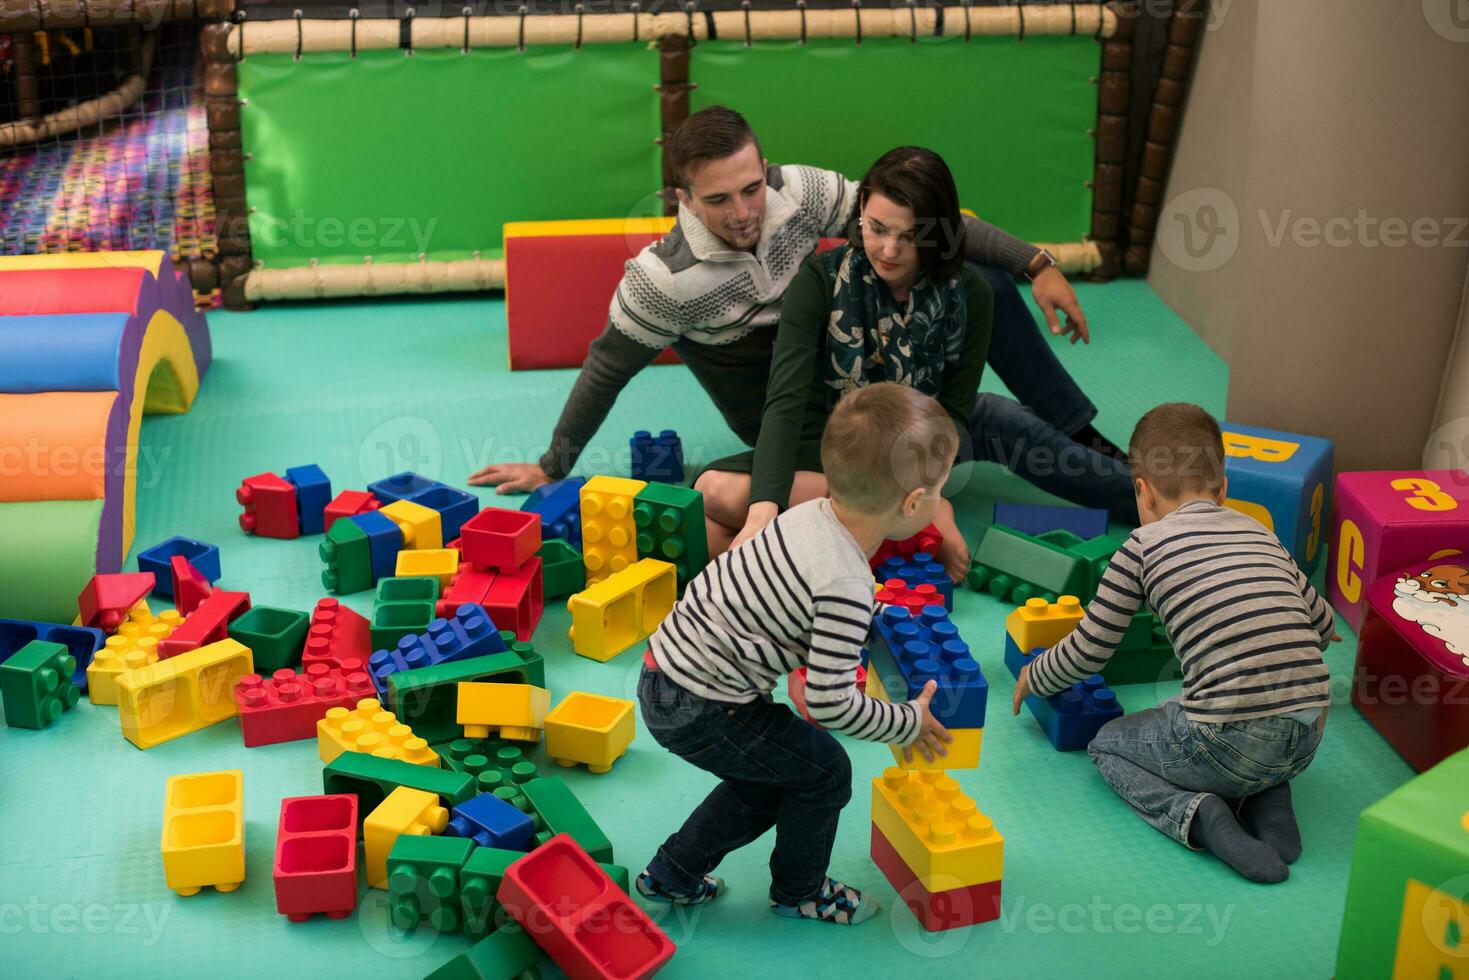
(81, 642)
(908, 651)
(313, 493)
(202, 555)
(491, 822)
(559, 505)
(384, 540)
(1072, 718)
(469, 633)
(657, 458)
(454, 507)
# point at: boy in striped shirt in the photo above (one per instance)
(799, 593)
(1211, 770)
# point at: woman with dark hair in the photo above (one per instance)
(895, 303)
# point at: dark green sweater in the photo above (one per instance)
(795, 399)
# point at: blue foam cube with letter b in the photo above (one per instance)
(1282, 480)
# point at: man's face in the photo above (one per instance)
(728, 195)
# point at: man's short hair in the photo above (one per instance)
(709, 134)
(884, 441)
(1178, 449)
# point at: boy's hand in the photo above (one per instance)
(1022, 689)
(932, 736)
(510, 477)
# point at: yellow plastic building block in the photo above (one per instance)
(517, 710)
(372, 729)
(422, 529)
(182, 694)
(440, 563)
(589, 728)
(964, 750)
(622, 609)
(134, 645)
(938, 831)
(1039, 623)
(609, 535)
(204, 831)
(405, 811)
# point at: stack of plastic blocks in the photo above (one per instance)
(1072, 718)
(657, 457)
(912, 649)
(670, 527)
(403, 606)
(558, 505)
(285, 507)
(467, 634)
(428, 697)
(914, 584)
(926, 541)
(939, 852)
(81, 642)
(361, 548)
(454, 506)
(500, 569)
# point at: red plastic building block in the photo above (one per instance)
(107, 599)
(287, 706)
(270, 507)
(937, 910)
(469, 584)
(584, 922)
(208, 623)
(347, 503)
(515, 600)
(796, 688)
(190, 587)
(337, 635)
(501, 540)
(895, 592)
(927, 540)
(316, 857)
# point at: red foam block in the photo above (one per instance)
(208, 623)
(500, 540)
(190, 587)
(940, 910)
(337, 635)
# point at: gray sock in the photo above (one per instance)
(1217, 831)
(1270, 817)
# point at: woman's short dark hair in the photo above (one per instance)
(709, 134)
(918, 178)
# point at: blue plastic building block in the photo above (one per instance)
(401, 486)
(490, 821)
(559, 505)
(916, 649)
(384, 539)
(313, 493)
(1083, 522)
(657, 458)
(921, 569)
(81, 642)
(203, 556)
(1072, 718)
(454, 507)
(470, 633)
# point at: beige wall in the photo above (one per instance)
(1332, 116)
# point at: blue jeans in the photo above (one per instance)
(776, 771)
(1163, 765)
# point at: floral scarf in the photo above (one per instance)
(871, 337)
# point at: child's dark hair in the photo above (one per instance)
(1178, 449)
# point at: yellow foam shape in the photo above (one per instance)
(622, 609)
(590, 729)
(182, 694)
(204, 831)
(134, 645)
(149, 259)
(589, 226)
(439, 563)
(609, 535)
(963, 751)
(938, 831)
(405, 811)
(1039, 623)
(517, 710)
(372, 729)
(421, 526)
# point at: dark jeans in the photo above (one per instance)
(776, 771)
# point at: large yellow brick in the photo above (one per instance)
(963, 751)
(609, 533)
(204, 831)
(372, 729)
(938, 831)
(405, 811)
(1039, 623)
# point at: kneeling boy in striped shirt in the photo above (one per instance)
(1213, 769)
(799, 593)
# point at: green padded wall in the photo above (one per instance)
(389, 155)
(50, 553)
(1010, 117)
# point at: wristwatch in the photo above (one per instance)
(1042, 261)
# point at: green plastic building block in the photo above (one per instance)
(275, 636)
(505, 954)
(1097, 553)
(391, 621)
(534, 662)
(1144, 656)
(348, 557)
(407, 588)
(427, 699)
(670, 523)
(562, 570)
(35, 684)
(563, 813)
(425, 874)
(371, 779)
(1408, 895)
(1014, 566)
(492, 762)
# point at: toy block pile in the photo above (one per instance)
(657, 457)
(285, 507)
(1072, 718)
(926, 541)
(501, 569)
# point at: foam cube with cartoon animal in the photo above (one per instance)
(1279, 479)
(1387, 520)
(1412, 675)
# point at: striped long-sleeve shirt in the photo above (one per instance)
(798, 593)
(1247, 626)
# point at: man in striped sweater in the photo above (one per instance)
(1212, 769)
(799, 593)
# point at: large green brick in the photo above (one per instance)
(427, 699)
(391, 621)
(1144, 656)
(563, 571)
(1014, 566)
(35, 684)
(371, 779)
(425, 877)
(670, 523)
(562, 812)
(348, 557)
(493, 762)
(503, 954)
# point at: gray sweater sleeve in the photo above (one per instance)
(988, 245)
(612, 361)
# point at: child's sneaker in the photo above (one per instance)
(836, 903)
(708, 890)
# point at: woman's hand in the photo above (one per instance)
(761, 513)
(1051, 291)
(510, 477)
(932, 736)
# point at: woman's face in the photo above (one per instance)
(888, 235)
